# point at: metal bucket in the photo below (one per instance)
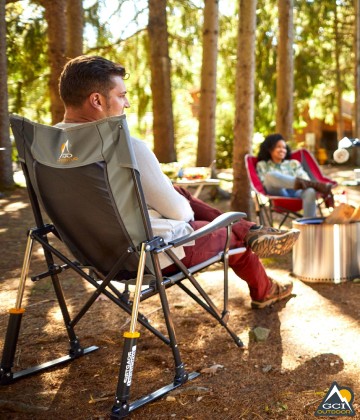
(326, 253)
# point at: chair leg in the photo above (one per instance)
(263, 212)
(283, 220)
(180, 374)
(122, 407)
(75, 348)
(210, 307)
(206, 303)
(266, 218)
(13, 329)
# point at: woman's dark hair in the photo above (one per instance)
(269, 144)
(84, 75)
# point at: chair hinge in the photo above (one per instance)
(155, 243)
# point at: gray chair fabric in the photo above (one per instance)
(82, 178)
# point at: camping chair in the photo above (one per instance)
(288, 207)
(85, 180)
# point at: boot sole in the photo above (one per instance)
(274, 245)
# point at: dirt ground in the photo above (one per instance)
(314, 340)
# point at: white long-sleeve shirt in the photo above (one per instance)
(169, 211)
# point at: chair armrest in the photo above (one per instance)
(221, 221)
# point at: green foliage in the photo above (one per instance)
(315, 45)
(102, 32)
(265, 76)
(314, 66)
(224, 142)
(27, 62)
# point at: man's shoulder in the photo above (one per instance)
(139, 144)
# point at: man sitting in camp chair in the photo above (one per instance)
(93, 88)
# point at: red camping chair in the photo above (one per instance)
(288, 207)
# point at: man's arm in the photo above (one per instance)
(158, 190)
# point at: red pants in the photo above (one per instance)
(246, 265)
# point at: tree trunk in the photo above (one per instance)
(74, 28)
(163, 124)
(244, 104)
(340, 119)
(285, 70)
(206, 135)
(56, 21)
(357, 69)
(6, 174)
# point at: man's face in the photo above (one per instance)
(116, 102)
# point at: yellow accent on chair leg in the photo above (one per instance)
(129, 334)
(16, 311)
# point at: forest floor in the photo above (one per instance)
(314, 340)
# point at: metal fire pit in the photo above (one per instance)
(326, 253)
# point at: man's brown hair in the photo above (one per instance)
(84, 75)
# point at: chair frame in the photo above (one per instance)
(45, 233)
(288, 207)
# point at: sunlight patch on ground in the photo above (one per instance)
(39, 252)
(13, 207)
(54, 314)
(331, 331)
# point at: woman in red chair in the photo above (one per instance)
(285, 177)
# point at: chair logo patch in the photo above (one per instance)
(65, 155)
(337, 402)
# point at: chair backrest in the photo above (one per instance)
(310, 165)
(86, 179)
(250, 164)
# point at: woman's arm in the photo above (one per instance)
(262, 170)
(299, 171)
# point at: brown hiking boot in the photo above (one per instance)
(268, 241)
(321, 187)
(277, 292)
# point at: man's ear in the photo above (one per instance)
(96, 100)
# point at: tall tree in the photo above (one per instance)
(285, 70)
(357, 69)
(6, 175)
(74, 28)
(206, 135)
(339, 89)
(357, 77)
(56, 21)
(163, 124)
(244, 114)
